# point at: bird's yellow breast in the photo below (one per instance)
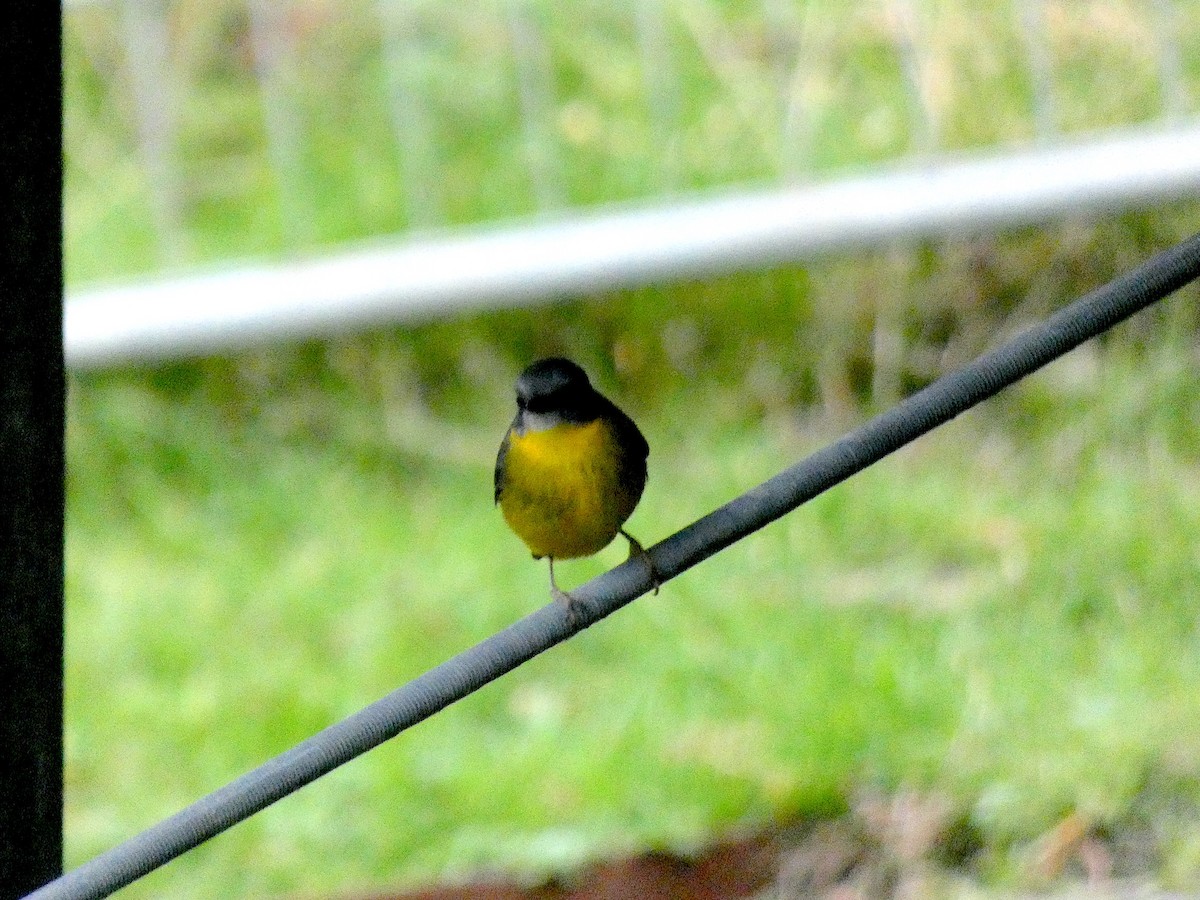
(561, 489)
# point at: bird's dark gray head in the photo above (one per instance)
(557, 386)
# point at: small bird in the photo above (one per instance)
(570, 470)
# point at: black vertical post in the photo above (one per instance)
(31, 448)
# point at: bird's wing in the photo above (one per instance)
(500, 457)
(631, 435)
(633, 461)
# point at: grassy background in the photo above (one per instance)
(1005, 613)
(736, 92)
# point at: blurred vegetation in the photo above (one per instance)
(1004, 614)
(286, 143)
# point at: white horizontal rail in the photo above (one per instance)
(529, 263)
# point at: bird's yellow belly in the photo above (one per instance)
(562, 493)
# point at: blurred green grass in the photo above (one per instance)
(730, 93)
(1005, 613)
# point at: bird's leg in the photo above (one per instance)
(636, 549)
(561, 596)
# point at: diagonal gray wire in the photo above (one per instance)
(938, 403)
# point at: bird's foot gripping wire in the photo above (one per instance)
(636, 549)
(573, 607)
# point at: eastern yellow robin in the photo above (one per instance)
(570, 470)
